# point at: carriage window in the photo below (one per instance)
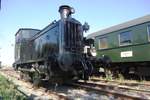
(148, 31)
(103, 43)
(125, 38)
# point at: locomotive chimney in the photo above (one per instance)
(66, 11)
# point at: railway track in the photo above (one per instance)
(117, 92)
(101, 87)
(128, 82)
(132, 85)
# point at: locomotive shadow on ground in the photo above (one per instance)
(66, 89)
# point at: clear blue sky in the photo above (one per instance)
(99, 14)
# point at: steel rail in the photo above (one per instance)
(100, 89)
(123, 87)
(121, 83)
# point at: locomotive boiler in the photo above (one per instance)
(54, 53)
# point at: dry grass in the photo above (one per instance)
(8, 91)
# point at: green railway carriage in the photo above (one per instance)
(127, 45)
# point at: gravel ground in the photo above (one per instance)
(80, 94)
(71, 92)
(43, 94)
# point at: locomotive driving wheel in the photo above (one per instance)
(36, 79)
(25, 76)
(48, 72)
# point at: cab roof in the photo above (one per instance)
(26, 29)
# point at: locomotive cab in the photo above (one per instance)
(22, 48)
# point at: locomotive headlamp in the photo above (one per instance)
(93, 51)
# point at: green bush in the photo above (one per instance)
(8, 91)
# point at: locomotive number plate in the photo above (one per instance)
(126, 54)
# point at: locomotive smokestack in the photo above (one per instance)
(65, 11)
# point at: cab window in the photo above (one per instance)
(103, 43)
(125, 38)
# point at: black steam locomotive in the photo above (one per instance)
(54, 53)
